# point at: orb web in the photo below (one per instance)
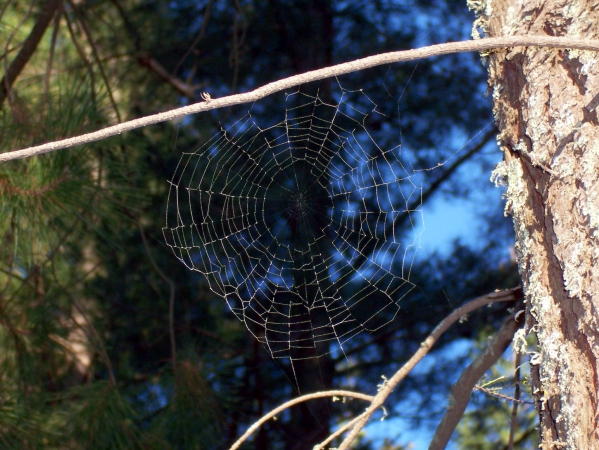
(299, 225)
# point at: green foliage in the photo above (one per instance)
(193, 419)
(27, 423)
(101, 419)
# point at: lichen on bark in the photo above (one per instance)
(545, 104)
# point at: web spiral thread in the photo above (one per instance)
(298, 226)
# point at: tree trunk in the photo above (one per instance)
(545, 104)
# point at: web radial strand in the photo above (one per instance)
(297, 226)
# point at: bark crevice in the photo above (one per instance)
(545, 104)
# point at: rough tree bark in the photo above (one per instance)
(545, 104)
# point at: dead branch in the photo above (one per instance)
(460, 396)
(314, 75)
(500, 296)
(289, 404)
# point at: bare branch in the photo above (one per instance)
(145, 59)
(295, 401)
(514, 399)
(514, 419)
(339, 432)
(500, 296)
(314, 75)
(462, 390)
(28, 49)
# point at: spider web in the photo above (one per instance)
(299, 225)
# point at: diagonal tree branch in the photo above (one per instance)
(514, 419)
(314, 75)
(462, 390)
(28, 49)
(452, 169)
(387, 388)
(145, 59)
(432, 188)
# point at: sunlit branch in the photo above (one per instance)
(314, 75)
(500, 296)
(338, 432)
(289, 404)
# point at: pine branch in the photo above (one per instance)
(314, 75)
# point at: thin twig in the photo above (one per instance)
(207, 12)
(460, 396)
(340, 431)
(145, 59)
(3, 10)
(55, 31)
(96, 56)
(314, 75)
(171, 299)
(185, 89)
(81, 53)
(500, 296)
(492, 393)
(514, 421)
(295, 401)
